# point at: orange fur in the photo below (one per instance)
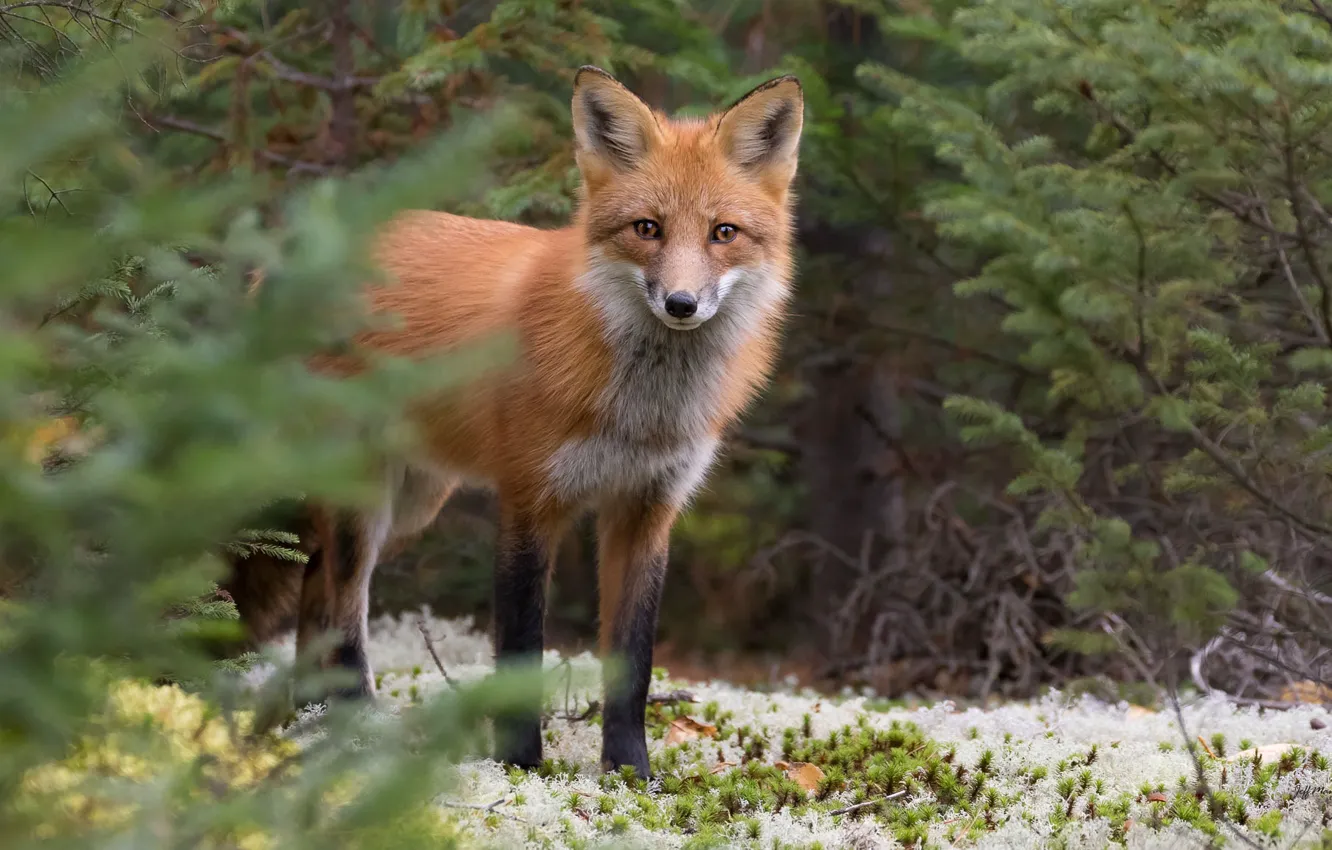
(644, 329)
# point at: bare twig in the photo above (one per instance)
(1308, 594)
(430, 646)
(1302, 228)
(171, 122)
(1319, 328)
(858, 806)
(1232, 468)
(592, 708)
(283, 71)
(961, 348)
(1321, 11)
(670, 698)
(487, 808)
(1200, 774)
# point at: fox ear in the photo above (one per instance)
(612, 126)
(761, 131)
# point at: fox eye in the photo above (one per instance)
(647, 228)
(724, 233)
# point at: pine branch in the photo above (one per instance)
(269, 542)
(285, 72)
(171, 122)
(1302, 228)
(1128, 137)
(1320, 329)
(1232, 468)
(1321, 11)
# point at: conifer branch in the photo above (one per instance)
(1129, 136)
(1319, 328)
(171, 122)
(1302, 227)
(1321, 11)
(285, 72)
(1232, 468)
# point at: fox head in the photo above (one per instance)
(686, 219)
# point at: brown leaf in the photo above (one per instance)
(804, 774)
(1157, 797)
(688, 729)
(721, 766)
(1306, 692)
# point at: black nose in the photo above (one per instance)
(681, 305)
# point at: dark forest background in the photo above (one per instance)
(1050, 408)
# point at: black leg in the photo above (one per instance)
(624, 738)
(356, 561)
(334, 596)
(520, 609)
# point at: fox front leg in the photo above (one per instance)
(632, 548)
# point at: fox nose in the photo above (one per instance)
(681, 305)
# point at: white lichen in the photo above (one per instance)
(1046, 734)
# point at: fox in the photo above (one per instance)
(645, 328)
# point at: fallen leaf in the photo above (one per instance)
(1306, 692)
(721, 766)
(1157, 797)
(1139, 711)
(1266, 753)
(804, 774)
(688, 729)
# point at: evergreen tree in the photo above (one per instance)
(1145, 188)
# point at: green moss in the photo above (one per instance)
(1269, 824)
(861, 764)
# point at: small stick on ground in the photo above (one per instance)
(858, 806)
(670, 698)
(430, 645)
(963, 833)
(592, 708)
(488, 808)
(1205, 747)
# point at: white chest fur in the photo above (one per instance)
(656, 412)
(654, 437)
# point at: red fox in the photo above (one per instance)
(644, 329)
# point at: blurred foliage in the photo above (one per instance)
(146, 416)
(1129, 198)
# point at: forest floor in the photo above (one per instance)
(793, 768)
